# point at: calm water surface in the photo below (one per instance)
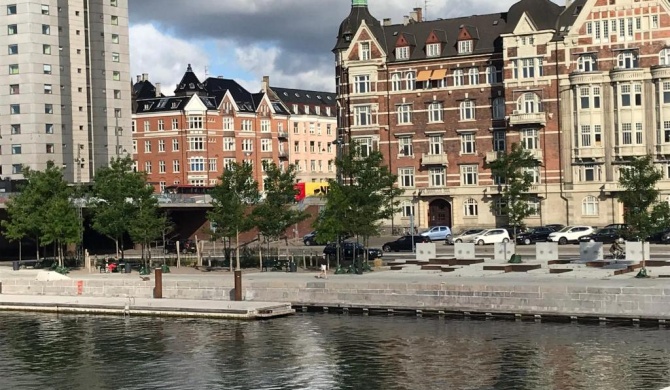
(321, 351)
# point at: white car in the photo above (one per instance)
(569, 234)
(466, 236)
(491, 236)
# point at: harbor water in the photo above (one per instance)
(326, 351)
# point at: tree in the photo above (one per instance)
(643, 212)
(44, 210)
(118, 192)
(149, 224)
(232, 199)
(363, 195)
(513, 170)
(277, 211)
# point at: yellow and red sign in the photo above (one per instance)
(311, 189)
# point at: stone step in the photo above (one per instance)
(559, 270)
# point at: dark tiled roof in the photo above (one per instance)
(219, 86)
(543, 13)
(568, 17)
(302, 97)
(485, 28)
(189, 84)
(170, 103)
(349, 26)
(144, 90)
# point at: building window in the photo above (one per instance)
(247, 125)
(49, 128)
(46, 49)
(116, 57)
(195, 123)
(626, 134)
(407, 209)
(161, 166)
(467, 110)
(48, 108)
(266, 145)
(228, 124)
(228, 144)
(147, 126)
(11, 9)
(590, 206)
(175, 145)
(14, 109)
(14, 69)
(587, 63)
(465, 47)
(528, 68)
(530, 139)
(664, 57)
(147, 146)
(589, 173)
(362, 83)
(196, 164)
(470, 208)
(115, 20)
(17, 169)
(115, 38)
(404, 112)
(492, 75)
(406, 177)
(175, 166)
(48, 89)
(247, 145)
(161, 145)
(499, 143)
(396, 82)
(468, 143)
(50, 149)
(469, 175)
(175, 124)
(529, 103)
(45, 9)
(365, 51)
(435, 112)
(362, 116)
(437, 177)
(16, 149)
(147, 167)
(13, 49)
(364, 146)
(265, 126)
(458, 77)
(14, 89)
(627, 60)
(410, 79)
(212, 165)
(405, 146)
(402, 53)
(435, 145)
(473, 76)
(196, 143)
(498, 108)
(15, 129)
(12, 29)
(46, 69)
(433, 49)
(46, 29)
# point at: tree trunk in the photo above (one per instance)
(122, 252)
(37, 244)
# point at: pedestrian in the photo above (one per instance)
(324, 270)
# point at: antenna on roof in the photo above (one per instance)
(206, 71)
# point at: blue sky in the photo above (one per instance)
(288, 40)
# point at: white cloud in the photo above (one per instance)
(164, 57)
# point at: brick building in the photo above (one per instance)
(189, 138)
(442, 98)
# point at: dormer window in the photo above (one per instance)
(402, 53)
(365, 51)
(465, 47)
(664, 57)
(433, 49)
(627, 60)
(587, 63)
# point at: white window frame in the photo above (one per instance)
(402, 53)
(435, 112)
(437, 177)
(590, 206)
(362, 84)
(468, 143)
(363, 115)
(469, 175)
(433, 49)
(465, 47)
(405, 146)
(406, 177)
(467, 110)
(470, 208)
(404, 113)
(364, 48)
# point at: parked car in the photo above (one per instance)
(660, 237)
(491, 236)
(555, 226)
(606, 235)
(465, 236)
(350, 250)
(437, 233)
(512, 230)
(569, 234)
(310, 239)
(533, 235)
(404, 243)
(185, 246)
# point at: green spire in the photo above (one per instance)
(359, 3)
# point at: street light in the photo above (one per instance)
(339, 142)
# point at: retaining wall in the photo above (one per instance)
(485, 296)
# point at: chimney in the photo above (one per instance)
(139, 78)
(387, 22)
(158, 89)
(405, 20)
(265, 84)
(419, 14)
(412, 17)
(145, 76)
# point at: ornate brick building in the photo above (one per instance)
(582, 86)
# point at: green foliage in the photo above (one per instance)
(232, 199)
(149, 222)
(513, 169)
(277, 211)
(44, 210)
(365, 195)
(643, 211)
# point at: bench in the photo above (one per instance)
(271, 265)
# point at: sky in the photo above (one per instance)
(288, 40)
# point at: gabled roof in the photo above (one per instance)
(189, 84)
(473, 31)
(144, 90)
(170, 103)
(302, 97)
(569, 16)
(486, 28)
(350, 25)
(217, 87)
(543, 14)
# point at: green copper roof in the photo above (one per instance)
(359, 3)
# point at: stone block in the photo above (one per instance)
(502, 251)
(464, 251)
(590, 251)
(637, 251)
(546, 251)
(426, 251)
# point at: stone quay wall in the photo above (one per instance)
(598, 299)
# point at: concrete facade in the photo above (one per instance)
(66, 94)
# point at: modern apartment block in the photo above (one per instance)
(584, 87)
(65, 90)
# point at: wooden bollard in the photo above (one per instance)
(158, 288)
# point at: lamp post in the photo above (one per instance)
(339, 143)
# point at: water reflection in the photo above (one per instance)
(326, 352)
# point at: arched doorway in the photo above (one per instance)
(439, 213)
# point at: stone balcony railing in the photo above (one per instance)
(630, 150)
(663, 148)
(435, 191)
(528, 118)
(588, 152)
(493, 156)
(282, 135)
(617, 75)
(434, 159)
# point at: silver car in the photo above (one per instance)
(465, 236)
(437, 233)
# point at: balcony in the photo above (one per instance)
(533, 189)
(532, 118)
(283, 155)
(612, 187)
(626, 74)
(630, 151)
(537, 154)
(660, 72)
(492, 156)
(578, 78)
(434, 159)
(282, 135)
(588, 152)
(663, 149)
(442, 191)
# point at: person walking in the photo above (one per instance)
(324, 270)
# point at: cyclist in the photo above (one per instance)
(616, 250)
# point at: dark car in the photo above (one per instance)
(404, 243)
(606, 235)
(555, 226)
(350, 250)
(533, 235)
(511, 230)
(310, 239)
(185, 246)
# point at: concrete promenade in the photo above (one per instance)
(593, 295)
